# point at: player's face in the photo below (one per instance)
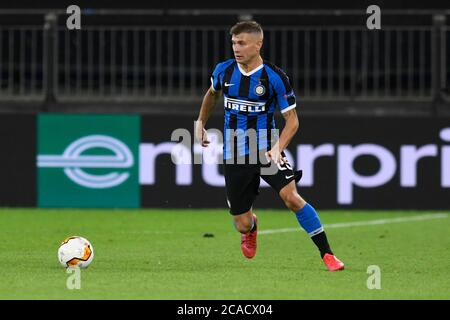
(246, 47)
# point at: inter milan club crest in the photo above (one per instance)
(260, 90)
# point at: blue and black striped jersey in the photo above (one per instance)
(250, 101)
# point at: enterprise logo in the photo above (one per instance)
(246, 106)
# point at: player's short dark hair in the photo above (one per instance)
(247, 27)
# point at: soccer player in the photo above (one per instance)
(252, 90)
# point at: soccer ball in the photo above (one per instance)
(75, 252)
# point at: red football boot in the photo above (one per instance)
(248, 241)
(332, 263)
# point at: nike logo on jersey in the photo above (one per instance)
(288, 177)
(228, 84)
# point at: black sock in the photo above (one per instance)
(321, 241)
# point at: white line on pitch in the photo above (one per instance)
(364, 223)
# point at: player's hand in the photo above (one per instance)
(201, 135)
(275, 155)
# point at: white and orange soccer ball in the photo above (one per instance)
(76, 252)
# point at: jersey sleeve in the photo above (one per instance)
(284, 93)
(216, 84)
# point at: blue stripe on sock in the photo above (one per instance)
(309, 220)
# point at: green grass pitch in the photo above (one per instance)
(162, 254)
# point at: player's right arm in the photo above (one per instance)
(208, 104)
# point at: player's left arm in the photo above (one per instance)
(288, 132)
(287, 102)
(290, 128)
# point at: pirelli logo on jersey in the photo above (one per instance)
(246, 106)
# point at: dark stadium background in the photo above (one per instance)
(408, 105)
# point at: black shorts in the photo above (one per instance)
(242, 183)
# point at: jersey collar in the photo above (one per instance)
(251, 71)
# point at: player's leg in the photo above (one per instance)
(310, 222)
(242, 183)
(284, 183)
(305, 213)
(244, 222)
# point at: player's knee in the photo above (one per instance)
(293, 201)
